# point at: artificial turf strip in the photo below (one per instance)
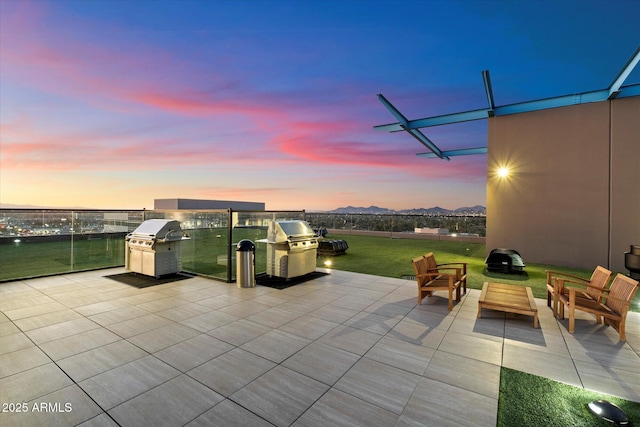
(529, 400)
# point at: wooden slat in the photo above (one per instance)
(508, 298)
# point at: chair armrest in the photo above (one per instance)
(458, 265)
(453, 263)
(559, 286)
(584, 285)
(605, 293)
(572, 291)
(434, 274)
(426, 277)
(621, 301)
(556, 274)
(458, 271)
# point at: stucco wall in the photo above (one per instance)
(572, 196)
(625, 178)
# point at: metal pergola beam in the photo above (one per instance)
(556, 102)
(614, 87)
(487, 87)
(522, 107)
(422, 138)
(460, 152)
(412, 126)
(446, 119)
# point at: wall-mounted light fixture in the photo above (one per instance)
(503, 172)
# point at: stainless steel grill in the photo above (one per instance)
(292, 249)
(153, 249)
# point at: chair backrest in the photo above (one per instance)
(599, 280)
(420, 265)
(431, 260)
(622, 288)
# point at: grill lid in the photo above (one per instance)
(284, 231)
(163, 230)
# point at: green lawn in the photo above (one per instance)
(59, 256)
(383, 256)
(529, 400)
(205, 253)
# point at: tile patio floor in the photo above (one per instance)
(343, 350)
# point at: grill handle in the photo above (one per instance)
(166, 236)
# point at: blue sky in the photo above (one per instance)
(112, 104)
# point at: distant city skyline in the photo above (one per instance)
(372, 209)
(110, 105)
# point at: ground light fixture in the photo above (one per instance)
(609, 412)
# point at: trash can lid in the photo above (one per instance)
(245, 246)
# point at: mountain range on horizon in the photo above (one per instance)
(375, 210)
(436, 210)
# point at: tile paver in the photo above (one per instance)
(231, 371)
(98, 360)
(229, 414)
(377, 383)
(337, 409)
(280, 396)
(435, 403)
(322, 362)
(344, 349)
(111, 388)
(276, 345)
(193, 352)
(174, 403)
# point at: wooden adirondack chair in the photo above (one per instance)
(592, 290)
(432, 277)
(457, 268)
(617, 300)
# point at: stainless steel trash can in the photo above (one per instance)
(245, 264)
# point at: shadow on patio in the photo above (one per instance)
(343, 349)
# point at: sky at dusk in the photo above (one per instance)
(112, 104)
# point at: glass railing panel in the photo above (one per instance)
(44, 242)
(206, 249)
(253, 226)
(30, 257)
(35, 242)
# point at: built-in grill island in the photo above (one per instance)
(153, 249)
(292, 249)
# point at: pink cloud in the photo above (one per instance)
(198, 106)
(322, 144)
(260, 127)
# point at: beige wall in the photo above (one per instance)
(625, 178)
(572, 197)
